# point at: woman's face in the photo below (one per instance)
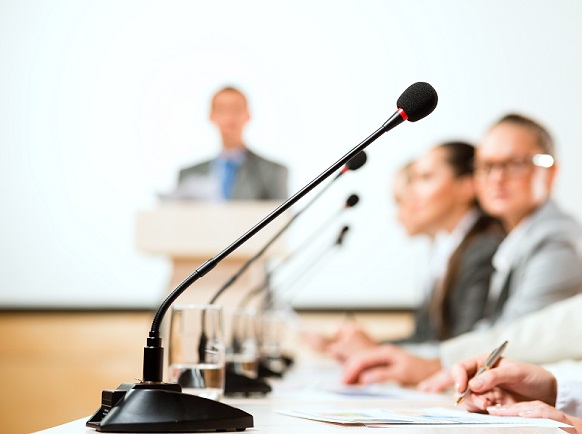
(402, 195)
(438, 197)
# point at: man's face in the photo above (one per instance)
(509, 185)
(229, 113)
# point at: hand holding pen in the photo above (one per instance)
(491, 361)
(507, 387)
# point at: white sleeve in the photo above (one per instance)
(570, 397)
(540, 337)
(569, 377)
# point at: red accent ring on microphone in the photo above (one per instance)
(403, 114)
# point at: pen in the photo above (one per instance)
(489, 363)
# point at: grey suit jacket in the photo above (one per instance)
(256, 178)
(546, 267)
(469, 289)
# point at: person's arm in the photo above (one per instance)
(349, 340)
(540, 337)
(388, 362)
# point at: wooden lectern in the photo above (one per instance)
(190, 233)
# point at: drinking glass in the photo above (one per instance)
(271, 331)
(196, 350)
(243, 351)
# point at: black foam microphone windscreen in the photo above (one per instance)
(352, 200)
(342, 235)
(357, 161)
(418, 101)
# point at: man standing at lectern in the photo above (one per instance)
(236, 173)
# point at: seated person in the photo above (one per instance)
(536, 265)
(513, 388)
(440, 202)
(237, 173)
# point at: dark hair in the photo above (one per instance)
(543, 137)
(460, 156)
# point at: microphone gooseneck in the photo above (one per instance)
(338, 242)
(350, 202)
(417, 101)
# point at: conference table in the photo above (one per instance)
(313, 384)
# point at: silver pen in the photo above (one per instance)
(489, 363)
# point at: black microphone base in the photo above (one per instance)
(161, 407)
(274, 367)
(237, 384)
(288, 360)
(267, 370)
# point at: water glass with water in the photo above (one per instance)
(196, 350)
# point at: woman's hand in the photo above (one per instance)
(388, 362)
(507, 383)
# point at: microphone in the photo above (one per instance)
(263, 286)
(337, 243)
(350, 202)
(355, 163)
(154, 406)
(342, 235)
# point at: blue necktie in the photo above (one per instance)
(228, 179)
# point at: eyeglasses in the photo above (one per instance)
(515, 167)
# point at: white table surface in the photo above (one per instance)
(301, 389)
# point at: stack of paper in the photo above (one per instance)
(379, 417)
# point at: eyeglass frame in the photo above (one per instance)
(516, 167)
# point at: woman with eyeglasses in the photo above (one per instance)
(437, 198)
(537, 264)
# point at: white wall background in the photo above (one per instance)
(101, 102)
